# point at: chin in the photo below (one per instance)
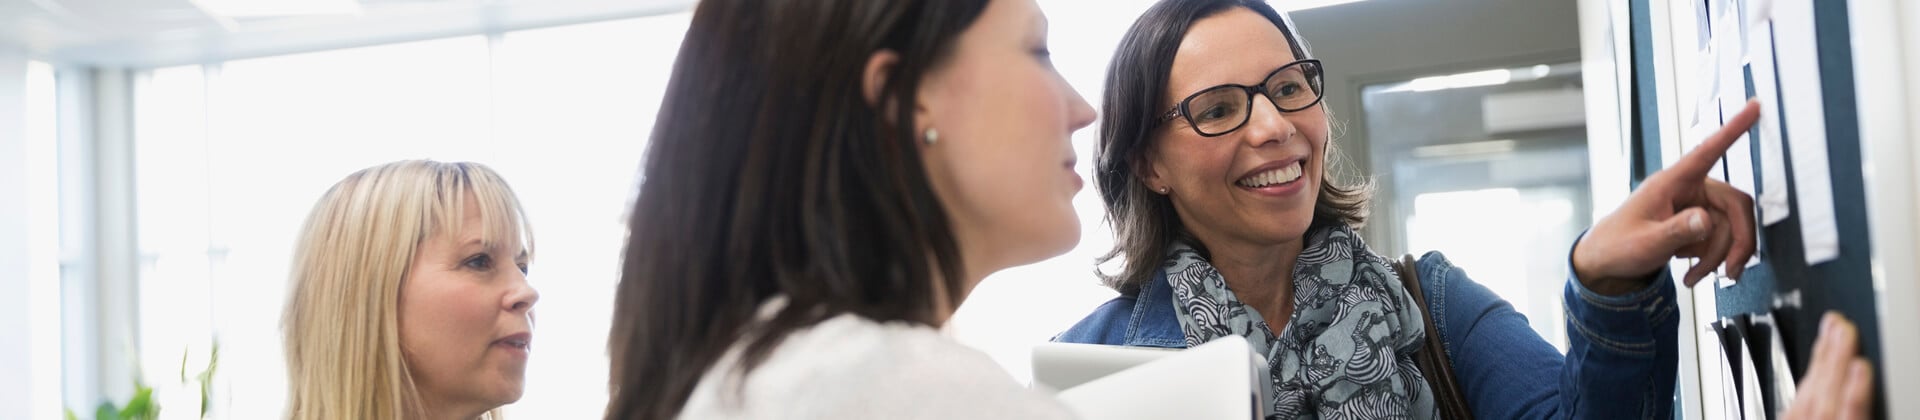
(1064, 234)
(509, 396)
(509, 390)
(1285, 227)
(1046, 241)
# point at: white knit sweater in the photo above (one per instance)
(849, 367)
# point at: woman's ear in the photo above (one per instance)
(873, 78)
(1147, 169)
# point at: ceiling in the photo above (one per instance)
(152, 33)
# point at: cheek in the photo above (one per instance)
(1007, 131)
(1009, 181)
(1002, 155)
(1196, 164)
(1315, 128)
(1000, 93)
(442, 319)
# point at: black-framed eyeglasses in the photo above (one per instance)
(1221, 109)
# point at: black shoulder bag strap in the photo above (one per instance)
(1432, 357)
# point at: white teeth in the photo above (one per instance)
(1276, 176)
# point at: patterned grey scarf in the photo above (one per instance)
(1347, 352)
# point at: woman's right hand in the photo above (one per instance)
(1677, 212)
(1839, 383)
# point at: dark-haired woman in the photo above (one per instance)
(827, 181)
(1212, 160)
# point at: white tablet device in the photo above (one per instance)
(1062, 365)
(1221, 379)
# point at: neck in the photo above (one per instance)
(943, 305)
(970, 264)
(1261, 275)
(978, 259)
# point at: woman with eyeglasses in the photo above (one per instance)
(1212, 161)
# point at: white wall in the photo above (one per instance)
(30, 355)
(1888, 84)
(15, 363)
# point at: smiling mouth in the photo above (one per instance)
(1271, 177)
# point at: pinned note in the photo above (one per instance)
(1752, 403)
(1779, 378)
(1731, 48)
(1732, 97)
(1805, 112)
(1729, 381)
(1772, 198)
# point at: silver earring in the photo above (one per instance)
(932, 136)
(1163, 190)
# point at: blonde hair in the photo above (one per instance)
(341, 325)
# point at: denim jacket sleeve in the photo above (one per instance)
(1143, 318)
(1621, 355)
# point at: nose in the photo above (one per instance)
(1267, 124)
(521, 298)
(1080, 114)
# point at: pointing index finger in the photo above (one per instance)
(1694, 164)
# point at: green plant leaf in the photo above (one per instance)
(106, 411)
(70, 415)
(141, 407)
(206, 379)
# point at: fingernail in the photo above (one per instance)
(1697, 224)
(1827, 322)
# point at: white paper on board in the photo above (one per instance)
(1772, 199)
(1732, 99)
(1701, 17)
(1729, 389)
(1805, 109)
(1753, 406)
(1783, 385)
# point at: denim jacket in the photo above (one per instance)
(1620, 361)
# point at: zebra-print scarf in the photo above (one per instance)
(1347, 351)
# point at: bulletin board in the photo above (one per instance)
(1786, 288)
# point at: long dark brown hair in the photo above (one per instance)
(770, 174)
(1144, 223)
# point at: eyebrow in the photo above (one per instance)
(477, 241)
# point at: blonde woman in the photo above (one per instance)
(410, 296)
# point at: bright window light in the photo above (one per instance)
(232, 156)
(262, 8)
(1474, 229)
(43, 259)
(1298, 5)
(1462, 80)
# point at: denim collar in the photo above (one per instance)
(1153, 322)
